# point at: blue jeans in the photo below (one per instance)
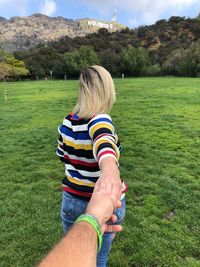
(73, 207)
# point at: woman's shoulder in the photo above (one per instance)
(75, 119)
(101, 117)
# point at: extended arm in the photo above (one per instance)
(110, 173)
(79, 247)
(106, 150)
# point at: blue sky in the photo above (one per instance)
(132, 13)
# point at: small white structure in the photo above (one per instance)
(95, 23)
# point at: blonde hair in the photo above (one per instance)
(96, 92)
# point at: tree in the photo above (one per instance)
(11, 67)
(152, 70)
(173, 64)
(4, 70)
(184, 62)
(17, 67)
(192, 60)
(110, 61)
(35, 68)
(80, 59)
(133, 60)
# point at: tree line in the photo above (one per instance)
(132, 61)
(165, 48)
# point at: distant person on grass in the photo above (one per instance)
(89, 147)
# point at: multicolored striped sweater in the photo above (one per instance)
(82, 145)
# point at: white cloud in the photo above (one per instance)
(18, 6)
(142, 11)
(48, 7)
(3, 2)
(129, 12)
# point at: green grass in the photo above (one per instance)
(157, 120)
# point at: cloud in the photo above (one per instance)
(105, 9)
(149, 11)
(129, 12)
(48, 7)
(8, 6)
(3, 2)
(142, 11)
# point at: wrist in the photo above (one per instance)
(98, 215)
(93, 221)
(87, 227)
(110, 171)
(109, 164)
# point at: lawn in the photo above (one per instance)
(157, 120)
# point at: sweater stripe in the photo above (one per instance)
(107, 152)
(83, 135)
(100, 125)
(79, 162)
(77, 181)
(77, 146)
(82, 174)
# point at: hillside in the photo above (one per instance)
(22, 33)
(167, 35)
(166, 47)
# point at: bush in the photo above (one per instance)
(133, 61)
(184, 62)
(80, 59)
(152, 70)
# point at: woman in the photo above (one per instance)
(90, 149)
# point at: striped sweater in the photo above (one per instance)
(82, 145)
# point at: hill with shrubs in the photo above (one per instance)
(168, 47)
(23, 33)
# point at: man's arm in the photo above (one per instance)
(78, 248)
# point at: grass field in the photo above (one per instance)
(158, 122)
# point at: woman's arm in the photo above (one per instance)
(110, 173)
(60, 151)
(106, 150)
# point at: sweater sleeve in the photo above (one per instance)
(60, 151)
(105, 140)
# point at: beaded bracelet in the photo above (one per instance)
(91, 219)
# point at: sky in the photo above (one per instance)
(132, 13)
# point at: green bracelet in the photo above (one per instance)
(91, 219)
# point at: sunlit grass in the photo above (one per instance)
(157, 120)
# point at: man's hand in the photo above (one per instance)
(102, 205)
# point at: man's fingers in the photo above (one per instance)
(113, 218)
(119, 204)
(114, 228)
(117, 190)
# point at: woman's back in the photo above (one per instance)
(81, 146)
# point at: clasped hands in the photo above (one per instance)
(105, 199)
